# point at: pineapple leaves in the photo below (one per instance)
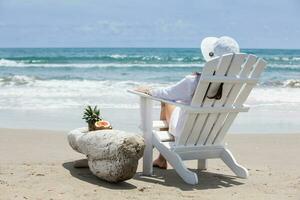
(91, 115)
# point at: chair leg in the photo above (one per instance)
(202, 164)
(177, 163)
(146, 116)
(230, 161)
(147, 161)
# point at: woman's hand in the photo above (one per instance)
(143, 89)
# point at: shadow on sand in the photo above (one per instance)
(85, 174)
(207, 180)
(169, 178)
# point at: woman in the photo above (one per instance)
(183, 91)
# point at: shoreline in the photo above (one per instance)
(37, 164)
(256, 121)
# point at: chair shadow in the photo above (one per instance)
(169, 178)
(85, 174)
(206, 180)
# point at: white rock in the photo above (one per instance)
(112, 154)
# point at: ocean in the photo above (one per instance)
(51, 80)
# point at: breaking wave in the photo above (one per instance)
(17, 80)
(20, 80)
(11, 63)
(145, 62)
(292, 83)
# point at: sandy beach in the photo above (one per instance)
(37, 164)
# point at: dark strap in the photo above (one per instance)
(219, 93)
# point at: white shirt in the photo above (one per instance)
(181, 92)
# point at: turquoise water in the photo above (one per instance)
(69, 78)
(161, 65)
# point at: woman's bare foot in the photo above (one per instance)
(160, 162)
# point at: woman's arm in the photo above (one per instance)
(181, 91)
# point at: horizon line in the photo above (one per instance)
(69, 47)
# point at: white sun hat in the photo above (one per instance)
(212, 47)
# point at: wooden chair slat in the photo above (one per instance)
(197, 100)
(233, 70)
(245, 91)
(201, 119)
(245, 71)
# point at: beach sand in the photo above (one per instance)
(37, 164)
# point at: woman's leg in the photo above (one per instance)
(165, 114)
(166, 111)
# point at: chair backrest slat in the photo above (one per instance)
(202, 121)
(199, 94)
(210, 128)
(234, 70)
(245, 71)
(241, 98)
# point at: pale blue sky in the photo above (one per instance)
(152, 23)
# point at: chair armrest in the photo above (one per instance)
(157, 99)
(195, 109)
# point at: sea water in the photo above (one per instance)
(39, 81)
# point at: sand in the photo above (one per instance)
(37, 164)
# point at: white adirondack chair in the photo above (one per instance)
(208, 119)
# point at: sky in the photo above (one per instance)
(148, 23)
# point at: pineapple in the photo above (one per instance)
(91, 116)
